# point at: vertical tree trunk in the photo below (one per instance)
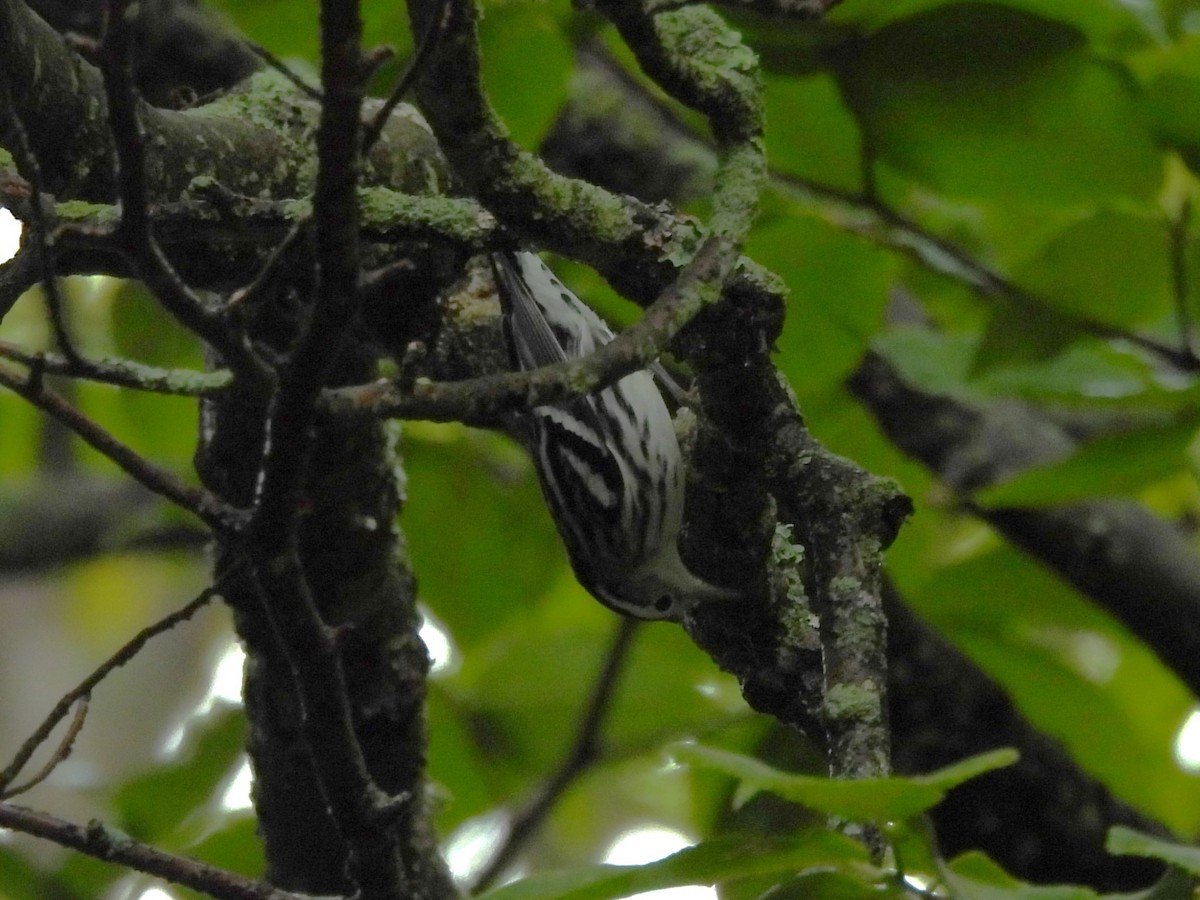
(354, 557)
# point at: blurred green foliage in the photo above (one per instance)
(1056, 140)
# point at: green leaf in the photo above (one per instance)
(914, 846)
(862, 800)
(85, 877)
(462, 760)
(1093, 372)
(706, 863)
(838, 287)
(518, 40)
(928, 360)
(827, 885)
(21, 880)
(18, 437)
(1111, 267)
(972, 876)
(1171, 101)
(972, 767)
(1170, 76)
(275, 25)
(1017, 334)
(502, 697)
(791, 47)
(1053, 650)
(142, 329)
(1108, 24)
(1124, 841)
(812, 134)
(153, 806)
(1107, 466)
(986, 101)
(235, 847)
(465, 490)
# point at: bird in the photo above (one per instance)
(609, 462)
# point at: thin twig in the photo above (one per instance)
(584, 752)
(412, 70)
(247, 296)
(124, 373)
(97, 841)
(884, 225)
(284, 69)
(207, 506)
(17, 276)
(41, 240)
(65, 746)
(483, 399)
(82, 691)
(136, 233)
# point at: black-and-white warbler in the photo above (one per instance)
(609, 462)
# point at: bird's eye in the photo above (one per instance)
(664, 603)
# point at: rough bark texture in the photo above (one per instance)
(258, 142)
(353, 556)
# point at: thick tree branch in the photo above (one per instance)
(209, 216)
(1139, 568)
(636, 246)
(783, 9)
(692, 55)
(181, 49)
(57, 520)
(364, 813)
(271, 125)
(135, 233)
(55, 92)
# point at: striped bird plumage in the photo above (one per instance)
(609, 462)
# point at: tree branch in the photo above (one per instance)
(97, 841)
(206, 506)
(582, 754)
(123, 373)
(83, 690)
(135, 233)
(365, 815)
(783, 9)
(272, 125)
(634, 245)
(1139, 568)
